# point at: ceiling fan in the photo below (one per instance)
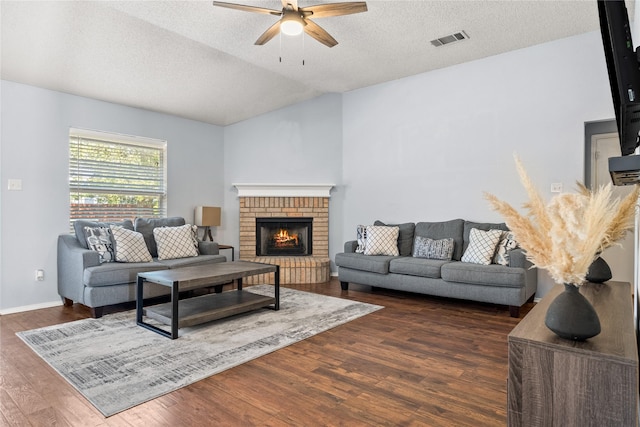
(297, 19)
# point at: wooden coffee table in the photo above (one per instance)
(205, 308)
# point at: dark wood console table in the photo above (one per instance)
(558, 382)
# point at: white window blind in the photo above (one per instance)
(115, 177)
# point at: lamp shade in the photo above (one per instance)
(207, 216)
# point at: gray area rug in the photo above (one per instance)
(116, 364)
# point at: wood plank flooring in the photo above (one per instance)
(421, 361)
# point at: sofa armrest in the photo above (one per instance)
(350, 246)
(73, 259)
(518, 258)
(208, 248)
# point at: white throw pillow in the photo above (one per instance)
(382, 240)
(175, 242)
(482, 246)
(130, 245)
(361, 237)
(507, 242)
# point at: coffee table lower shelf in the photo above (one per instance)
(205, 308)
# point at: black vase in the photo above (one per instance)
(571, 316)
(599, 271)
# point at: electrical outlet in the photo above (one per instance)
(556, 187)
(39, 275)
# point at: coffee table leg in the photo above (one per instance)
(139, 285)
(175, 296)
(239, 280)
(277, 287)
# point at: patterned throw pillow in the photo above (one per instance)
(175, 242)
(130, 245)
(482, 246)
(100, 239)
(424, 247)
(361, 236)
(382, 240)
(507, 242)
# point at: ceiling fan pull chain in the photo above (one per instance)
(303, 48)
(280, 39)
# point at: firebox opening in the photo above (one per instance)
(283, 236)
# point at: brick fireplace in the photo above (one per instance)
(265, 201)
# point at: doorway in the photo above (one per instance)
(602, 142)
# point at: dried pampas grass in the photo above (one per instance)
(566, 235)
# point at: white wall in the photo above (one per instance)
(425, 148)
(300, 144)
(34, 148)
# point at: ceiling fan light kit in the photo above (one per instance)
(294, 20)
(292, 24)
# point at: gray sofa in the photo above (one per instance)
(84, 279)
(511, 285)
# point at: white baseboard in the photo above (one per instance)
(30, 307)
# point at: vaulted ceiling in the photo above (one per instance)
(194, 60)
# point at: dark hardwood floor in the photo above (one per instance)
(421, 361)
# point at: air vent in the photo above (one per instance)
(455, 37)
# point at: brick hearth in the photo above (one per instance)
(300, 269)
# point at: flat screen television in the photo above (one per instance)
(624, 77)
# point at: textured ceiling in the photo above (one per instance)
(197, 61)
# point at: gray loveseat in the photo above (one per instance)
(83, 278)
(512, 284)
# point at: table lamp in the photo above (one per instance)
(207, 217)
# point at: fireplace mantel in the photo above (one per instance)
(284, 190)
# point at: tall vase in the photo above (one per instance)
(570, 315)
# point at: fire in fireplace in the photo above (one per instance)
(284, 236)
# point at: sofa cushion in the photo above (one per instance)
(505, 245)
(405, 236)
(477, 274)
(175, 242)
(191, 261)
(424, 247)
(382, 240)
(422, 267)
(80, 224)
(100, 239)
(117, 273)
(361, 238)
(375, 264)
(482, 246)
(485, 226)
(146, 226)
(130, 245)
(443, 230)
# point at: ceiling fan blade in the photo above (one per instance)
(269, 34)
(334, 9)
(293, 3)
(318, 33)
(247, 8)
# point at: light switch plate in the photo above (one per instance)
(556, 187)
(15, 185)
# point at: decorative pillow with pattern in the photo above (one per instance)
(361, 236)
(100, 239)
(382, 240)
(130, 245)
(424, 247)
(482, 246)
(506, 243)
(175, 242)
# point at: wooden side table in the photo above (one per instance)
(228, 247)
(558, 382)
